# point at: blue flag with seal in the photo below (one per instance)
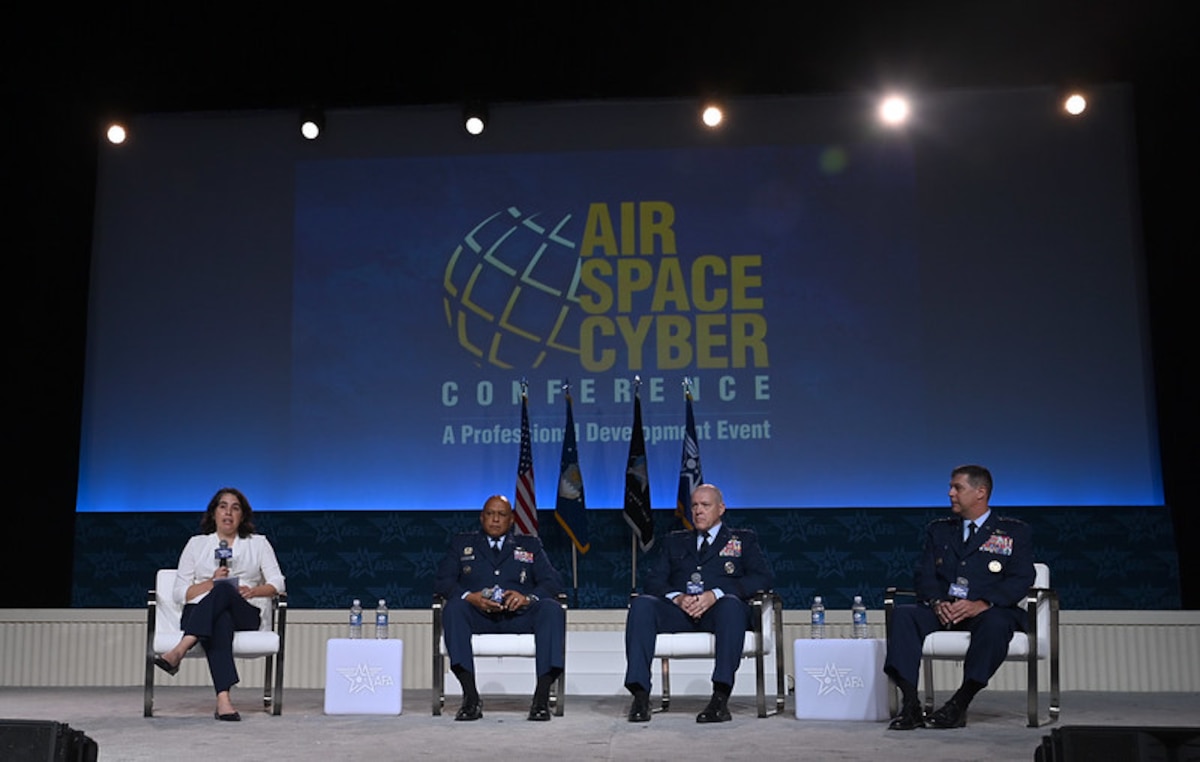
(690, 475)
(570, 509)
(637, 482)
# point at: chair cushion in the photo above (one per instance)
(501, 644)
(250, 644)
(953, 645)
(698, 644)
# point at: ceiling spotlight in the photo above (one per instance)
(475, 118)
(116, 133)
(712, 116)
(312, 122)
(894, 110)
(1075, 104)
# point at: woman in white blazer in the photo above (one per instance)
(219, 571)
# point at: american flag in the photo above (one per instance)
(525, 511)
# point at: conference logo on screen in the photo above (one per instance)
(606, 288)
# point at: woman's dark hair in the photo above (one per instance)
(208, 524)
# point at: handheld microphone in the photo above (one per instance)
(224, 553)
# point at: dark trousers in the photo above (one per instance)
(991, 632)
(545, 619)
(213, 621)
(728, 620)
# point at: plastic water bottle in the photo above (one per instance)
(858, 615)
(356, 620)
(817, 631)
(381, 620)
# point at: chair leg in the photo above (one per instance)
(148, 689)
(1054, 685)
(268, 682)
(780, 665)
(439, 664)
(560, 694)
(928, 684)
(666, 683)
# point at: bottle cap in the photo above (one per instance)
(816, 599)
(380, 601)
(357, 602)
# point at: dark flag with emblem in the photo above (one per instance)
(690, 475)
(637, 482)
(525, 508)
(570, 510)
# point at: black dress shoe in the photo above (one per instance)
(951, 715)
(469, 711)
(716, 711)
(165, 666)
(230, 717)
(911, 716)
(539, 710)
(639, 710)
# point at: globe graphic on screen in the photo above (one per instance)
(510, 290)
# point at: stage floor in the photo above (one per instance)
(592, 728)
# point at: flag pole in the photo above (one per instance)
(633, 535)
(633, 554)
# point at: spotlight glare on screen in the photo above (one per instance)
(116, 134)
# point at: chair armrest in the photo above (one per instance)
(890, 594)
(279, 606)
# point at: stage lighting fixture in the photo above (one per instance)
(1075, 104)
(712, 116)
(475, 118)
(894, 110)
(312, 122)
(116, 133)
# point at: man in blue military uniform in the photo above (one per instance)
(976, 567)
(700, 583)
(497, 582)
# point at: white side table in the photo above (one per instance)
(363, 676)
(840, 679)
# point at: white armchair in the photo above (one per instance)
(516, 645)
(1038, 643)
(765, 637)
(163, 633)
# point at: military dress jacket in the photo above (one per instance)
(734, 562)
(995, 566)
(471, 565)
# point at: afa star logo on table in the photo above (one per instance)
(521, 287)
(832, 678)
(363, 678)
